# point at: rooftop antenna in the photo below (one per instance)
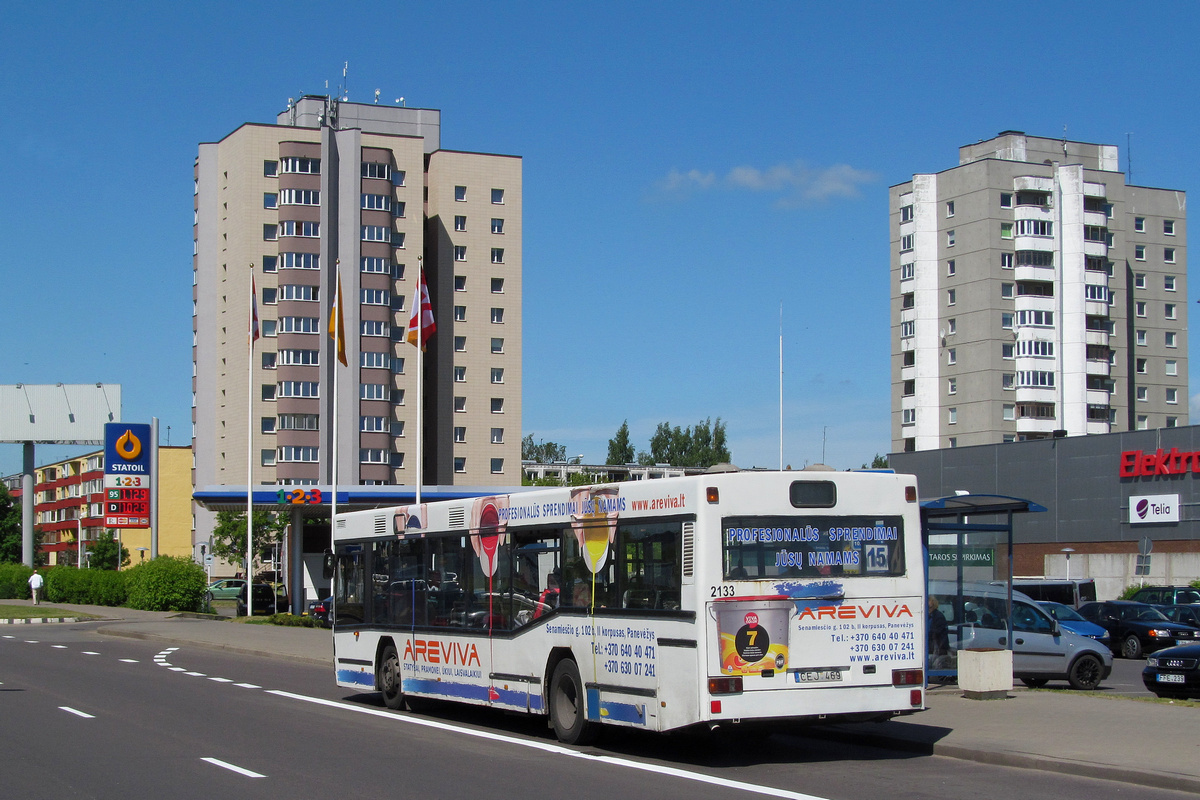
(1064, 140)
(400, 100)
(376, 97)
(345, 92)
(1129, 158)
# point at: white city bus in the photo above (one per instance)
(712, 599)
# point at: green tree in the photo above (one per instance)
(104, 552)
(542, 452)
(878, 462)
(620, 449)
(229, 535)
(701, 446)
(10, 527)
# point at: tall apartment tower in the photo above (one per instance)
(365, 192)
(1035, 293)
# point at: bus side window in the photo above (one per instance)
(349, 587)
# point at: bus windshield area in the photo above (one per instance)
(810, 546)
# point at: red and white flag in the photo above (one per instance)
(253, 312)
(422, 314)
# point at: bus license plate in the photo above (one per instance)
(818, 675)
(1167, 678)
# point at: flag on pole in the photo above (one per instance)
(253, 312)
(422, 314)
(337, 323)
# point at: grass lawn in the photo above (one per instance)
(32, 612)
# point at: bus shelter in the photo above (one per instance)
(968, 541)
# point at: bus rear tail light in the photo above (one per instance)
(908, 677)
(914, 697)
(731, 685)
(712, 495)
(910, 494)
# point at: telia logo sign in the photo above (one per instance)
(1154, 508)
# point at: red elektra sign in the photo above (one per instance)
(1140, 464)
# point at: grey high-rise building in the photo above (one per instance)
(1035, 293)
(367, 193)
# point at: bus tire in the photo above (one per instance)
(568, 706)
(390, 679)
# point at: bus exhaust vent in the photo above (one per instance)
(458, 517)
(689, 547)
(381, 526)
(341, 522)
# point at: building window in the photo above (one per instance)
(460, 313)
(460, 464)
(1006, 261)
(1037, 227)
(951, 326)
(1169, 311)
(951, 268)
(1172, 422)
(906, 214)
(374, 169)
(373, 391)
(377, 202)
(376, 233)
(1006, 320)
(906, 272)
(909, 388)
(460, 194)
(1171, 367)
(300, 197)
(497, 225)
(497, 405)
(908, 358)
(460, 405)
(299, 325)
(497, 374)
(1006, 199)
(952, 386)
(952, 416)
(1168, 227)
(374, 360)
(497, 315)
(372, 424)
(270, 328)
(460, 283)
(1096, 233)
(907, 328)
(1172, 395)
(1139, 280)
(1143, 422)
(270, 200)
(1006, 290)
(460, 434)
(951, 296)
(497, 255)
(1009, 411)
(1042, 319)
(460, 374)
(1006, 230)
(497, 197)
(497, 345)
(1143, 394)
(1169, 255)
(1008, 380)
(460, 223)
(267, 457)
(497, 435)
(1139, 224)
(906, 243)
(303, 166)
(460, 252)
(460, 344)
(1139, 252)
(296, 227)
(268, 360)
(299, 261)
(497, 285)
(1171, 338)
(950, 238)
(298, 454)
(268, 424)
(952, 356)
(908, 300)
(1140, 365)
(1140, 338)
(270, 169)
(375, 327)
(1007, 350)
(298, 292)
(299, 422)
(270, 263)
(908, 416)
(375, 265)
(1139, 308)
(372, 455)
(1169, 283)
(497, 466)
(950, 208)
(270, 233)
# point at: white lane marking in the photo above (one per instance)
(558, 749)
(59, 646)
(195, 674)
(178, 669)
(6, 636)
(129, 660)
(31, 641)
(90, 653)
(76, 712)
(222, 680)
(247, 686)
(233, 768)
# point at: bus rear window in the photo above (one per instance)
(813, 494)
(758, 548)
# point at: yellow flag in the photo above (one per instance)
(337, 325)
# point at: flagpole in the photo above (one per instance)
(337, 302)
(420, 317)
(781, 387)
(251, 335)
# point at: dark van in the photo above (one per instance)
(1068, 591)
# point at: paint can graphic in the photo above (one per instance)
(754, 635)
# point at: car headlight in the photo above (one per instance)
(1151, 662)
(1160, 634)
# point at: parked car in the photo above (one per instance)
(319, 610)
(1137, 628)
(1185, 615)
(266, 600)
(1174, 672)
(1068, 591)
(1069, 618)
(1043, 650)
(1167, 595)
(225, 589)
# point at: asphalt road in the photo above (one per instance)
(92, 716)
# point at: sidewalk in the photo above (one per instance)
(1112, 738)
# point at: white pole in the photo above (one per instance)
(420, 318)
(781, 387)
(154, 493)
(79, 545)
(250, 449)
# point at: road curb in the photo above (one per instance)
(128, 634)
(1007, 758)
(37, 620)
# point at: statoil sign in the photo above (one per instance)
(127, 475)
(1154, 508)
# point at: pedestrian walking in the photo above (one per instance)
(35, 586)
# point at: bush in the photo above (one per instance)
(167, 583)
(14, 581)
(94, 587)
(293, 621)
(1130, 590)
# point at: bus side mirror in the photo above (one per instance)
(327, 565)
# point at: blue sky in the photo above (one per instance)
(688, 168)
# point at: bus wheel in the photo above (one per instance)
(567, 706)
(389, 678)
